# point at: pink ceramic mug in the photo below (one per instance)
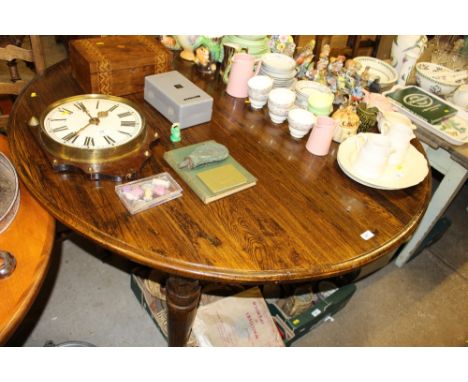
(242, 70)
(321, 136)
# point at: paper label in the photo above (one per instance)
(367, 235)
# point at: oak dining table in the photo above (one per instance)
(302, 221)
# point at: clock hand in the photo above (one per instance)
(82, 107)
(103, 114)
(77, 132)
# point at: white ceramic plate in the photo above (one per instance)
(278, 62)
(285, 76)
(378, 68)
(410, 173)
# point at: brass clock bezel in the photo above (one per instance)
(90, 155)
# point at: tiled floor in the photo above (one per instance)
(87, 296)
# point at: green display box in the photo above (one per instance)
(294, 327)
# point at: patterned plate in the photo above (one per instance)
(378, 68)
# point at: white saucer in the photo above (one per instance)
(411, 172)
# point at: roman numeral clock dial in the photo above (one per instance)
(102, 135)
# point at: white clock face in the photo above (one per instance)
(93, 123)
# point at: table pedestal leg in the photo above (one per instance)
(182, 296)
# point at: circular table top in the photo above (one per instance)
(29, 238)
(303, 220)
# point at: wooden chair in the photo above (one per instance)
(353, 44)
(10, 54)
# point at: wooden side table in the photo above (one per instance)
(29, 238)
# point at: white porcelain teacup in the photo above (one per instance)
(400, 136)
(259, 88)
(280, 101)
(300, 122)
(282, 97)
(372, 154)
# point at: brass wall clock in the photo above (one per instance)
(103, 135)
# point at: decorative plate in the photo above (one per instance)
(411, 172)
(378, 68)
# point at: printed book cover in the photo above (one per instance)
(422, 104)
(211, 181)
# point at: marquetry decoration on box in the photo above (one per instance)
(117, 65)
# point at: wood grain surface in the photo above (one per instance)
(29, 238)
(302, 221)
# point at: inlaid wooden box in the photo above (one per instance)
(117, 65)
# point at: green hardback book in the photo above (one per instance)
(211, 181)
(422, 104)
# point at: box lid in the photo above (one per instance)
(121, 52)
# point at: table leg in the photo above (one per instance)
(182, 297)
(454, 178)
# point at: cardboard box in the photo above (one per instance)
(290, 327)
(117, 65)
(156, 308)
(178, 99)
(330, 302)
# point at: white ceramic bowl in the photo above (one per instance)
(428, 77)
(300, 122)
(378, 68)
(259, 88)
(281, 97)
(260, 83)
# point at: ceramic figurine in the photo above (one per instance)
(202, 56)
(374, 86)
(349, 74)
(170, 42)
(365, 76)
(282, 44)
(322, 65)
(304, 59)
(187, 42)
(340, 95)
(334, 70)
(357, 93)
(175, 133)
(208, 51)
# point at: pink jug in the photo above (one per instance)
(321, 136)
(242, 70)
